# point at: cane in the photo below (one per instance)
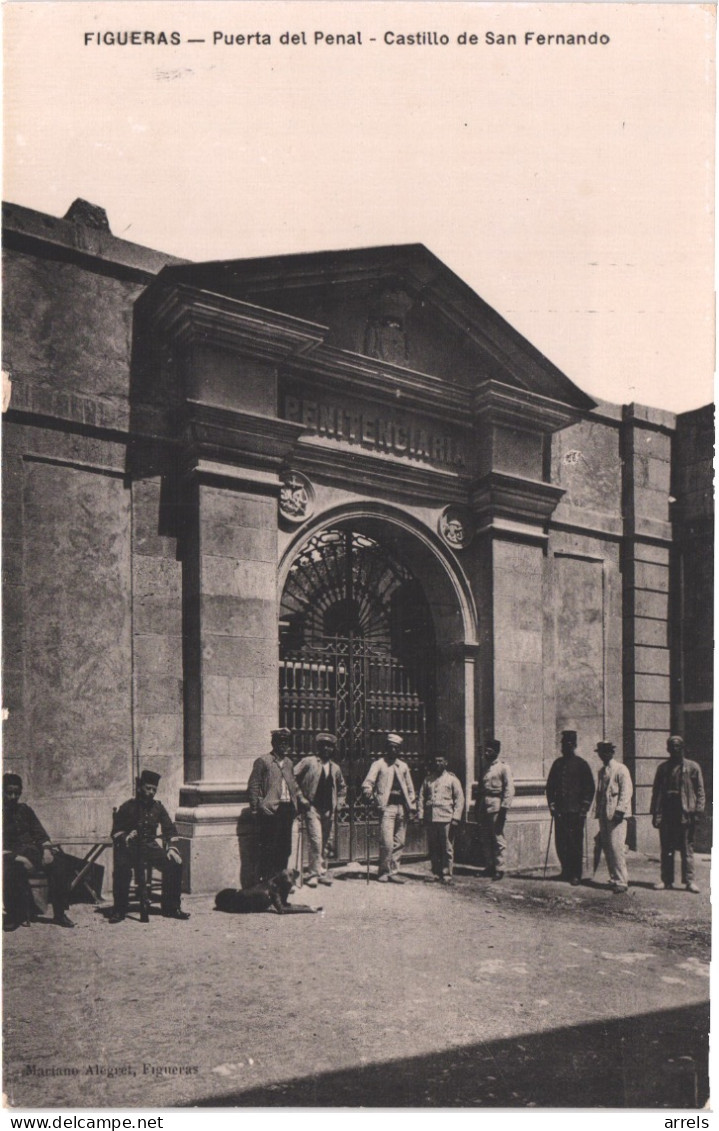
(366, 837)
(298, 861)
(549, 841)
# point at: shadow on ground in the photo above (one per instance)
(655, 1060)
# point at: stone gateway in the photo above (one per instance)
(331, 492)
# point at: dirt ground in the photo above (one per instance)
(523, 993)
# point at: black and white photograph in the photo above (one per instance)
(357, 556)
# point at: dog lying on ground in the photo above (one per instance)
(270, 895)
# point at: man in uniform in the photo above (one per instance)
(440, 803)
(677, 801)
(275, 800)
(570, 792)
(322, 784)
(613, 804)
(26, 848)
(494, 797)
(134, 833)
(389, 785)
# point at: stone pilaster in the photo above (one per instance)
(646, 451)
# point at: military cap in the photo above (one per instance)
(493, 744)
(326, 737)
(570, 734)
(281, 732)
(12, 779)
(149, 777)
(394, 739)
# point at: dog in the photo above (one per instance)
(270, 895)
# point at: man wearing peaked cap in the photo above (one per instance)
(494, 797)
(570, 792)
(321, 782)
(613, 805)
(26, 847)
(389, 785)
(275, 800)
(134, 834)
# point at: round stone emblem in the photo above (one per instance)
(456, 527)
(297, 497)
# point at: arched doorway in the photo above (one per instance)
(357, 658)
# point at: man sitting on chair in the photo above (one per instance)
(26, 848)
(134, 833)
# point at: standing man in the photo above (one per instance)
(26, 848)
(275, 801)
(440, 804)
(134, 833)
(494, 797)
(570, 792)
(677, 801)
(389, 785)
(613, 804)
(321, 783)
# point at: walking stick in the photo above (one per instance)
(549, 841)
(366, 836)
(299, 861)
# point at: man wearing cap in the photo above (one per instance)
(389, 785)
(321, 783)
(494, 797)
(440, 804)
(677, 801)
(26, 848)
(613, 804)
(134, 834)
(570, 792)
(275, 800)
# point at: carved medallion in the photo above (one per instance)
(456, 527)
(297, 497)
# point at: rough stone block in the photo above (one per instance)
(652, 716)
(520, 645)
(265, 693)
(158, 656)
(650, 633)
(221, 738)
(650, 604)
(645, 770)
(235, 616)
(652, 688)
(158, 694)
(224, 577)
(156, 577)
(216, 695)
(646, 552)
(650, 745)
(651, 504)
(651, 661)
(159, 616)
(160, 736)
(146, 516)
(233, 656)
(514, 676)
(642, 802)
(246, 543)
(517, 558)
(649, 576)
(241, 696)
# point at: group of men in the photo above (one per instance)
(314, 790)
(677, 801)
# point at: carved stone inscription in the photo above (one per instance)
(376, 431)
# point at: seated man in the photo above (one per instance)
(26, 848)
(134, 832)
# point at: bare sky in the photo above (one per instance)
(570, 186)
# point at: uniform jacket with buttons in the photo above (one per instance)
(496, 787)
(441, 799)
(146, 819)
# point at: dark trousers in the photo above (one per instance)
(274, 835)
(569, 842)
(17, 896)
(128, 859)
(676, 833)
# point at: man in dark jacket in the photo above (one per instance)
(26, 848)
(677, 801)
(134, 833)
(570, 792)
(321, 782)
(275, 800)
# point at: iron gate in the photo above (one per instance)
(344, 607)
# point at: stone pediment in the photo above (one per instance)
(400, 306)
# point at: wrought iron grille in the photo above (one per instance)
(343, 616)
